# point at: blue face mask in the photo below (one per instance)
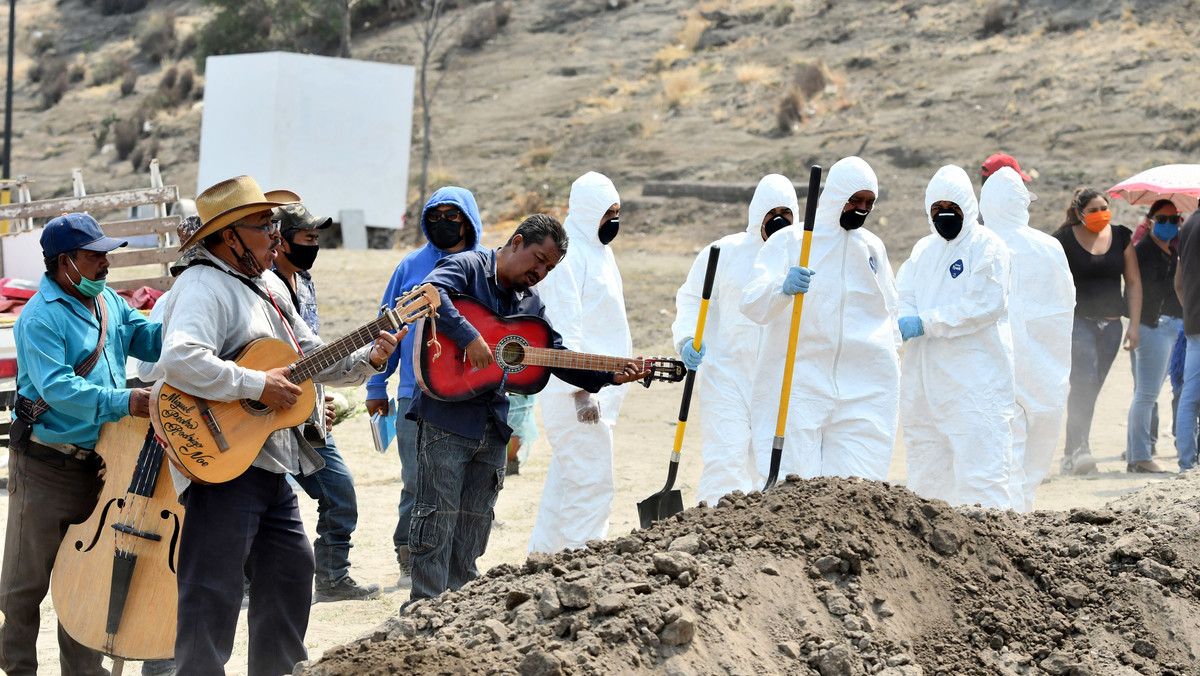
(1166, 231)
(88, 287)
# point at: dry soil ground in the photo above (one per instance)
(348, 283)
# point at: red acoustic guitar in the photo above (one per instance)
(522, 348)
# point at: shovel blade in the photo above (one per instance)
(659, 506)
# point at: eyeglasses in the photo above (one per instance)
(271, 228)
(1164, 219)
(454, 216)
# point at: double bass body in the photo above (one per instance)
(114, 583)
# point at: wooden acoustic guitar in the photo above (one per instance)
(215, 441)
(522, 348)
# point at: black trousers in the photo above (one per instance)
(246, 528)
(47, 492)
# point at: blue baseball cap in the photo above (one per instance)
(75, 231)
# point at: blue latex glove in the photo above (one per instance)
(797, 280)
(910, 327)
(692, 358)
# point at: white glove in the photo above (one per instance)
(587, 407)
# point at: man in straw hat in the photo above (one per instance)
(249, 526)
(72, 342)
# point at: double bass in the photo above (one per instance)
(114, 580)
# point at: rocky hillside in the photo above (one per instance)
(1081, 91)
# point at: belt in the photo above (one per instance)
(68, 450)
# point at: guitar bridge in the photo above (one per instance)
(211, 423)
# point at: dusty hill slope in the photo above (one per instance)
(829, 577)
(1081, 91)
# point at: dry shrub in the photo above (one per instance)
(76, 73)
(812, 78)
(525, 203)
(43, 41)
(128, 83)
(485, 25)
(749, 73)
(109, 68)
(188, 44)
(53, 88)
(156, 36)
(109, 7)
(125, 136)
(995, 19)
(169, 78)
(142, 154)
(791, 111)
(50, 72)
(187, 80)
(538, 156)
(693, 28)
(668, 56)
(681, 86)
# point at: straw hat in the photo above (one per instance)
(230, 201)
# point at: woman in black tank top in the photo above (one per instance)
(1100, 256)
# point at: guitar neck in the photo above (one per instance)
(565, 359)
(331, 353)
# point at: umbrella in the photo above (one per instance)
(1179, 183)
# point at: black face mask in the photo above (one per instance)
(948, 224)
(302, 255)
(775, 225)
(853, 219)
(246, 260)
(608, 231)
(444, 234)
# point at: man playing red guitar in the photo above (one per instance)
(461, 444)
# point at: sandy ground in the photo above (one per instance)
(644, 437)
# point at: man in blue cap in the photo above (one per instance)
(73, 338)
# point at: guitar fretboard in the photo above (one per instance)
(331, 353)
(565, 359)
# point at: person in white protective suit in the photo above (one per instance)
(585, 303)
(956, 391)
(1041, 306)
(730, 347)
(843, 405)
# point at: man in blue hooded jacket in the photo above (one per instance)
(450, 222)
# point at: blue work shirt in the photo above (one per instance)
(54, 333)
(473, 273)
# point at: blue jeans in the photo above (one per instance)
(1152, 355)
(1189, 405)
(458, 481)
(406, 444)
(337, 514)
(1094, 346)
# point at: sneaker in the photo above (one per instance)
(1145, 467)
(346, 589)
(405, 578)
(1082, 464)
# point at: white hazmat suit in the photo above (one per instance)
(1041, 306)
(957, 396)
(731, 343)
(843, 407)
(586, 305)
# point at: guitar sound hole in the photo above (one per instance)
(255, 407)
(512, 353)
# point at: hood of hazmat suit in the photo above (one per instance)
(957, 395)
(731, 341)
(1041, 303)
(843, 406)
(585, 303)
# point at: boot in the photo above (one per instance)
(405, 557)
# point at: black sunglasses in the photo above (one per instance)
(433, 216)
(1164, 219)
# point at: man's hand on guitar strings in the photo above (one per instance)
(139, 402)
(634, 370)
(587, 407)
(385, 345)
(279, 393)
(479, 354)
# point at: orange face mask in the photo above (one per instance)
(1097, 220)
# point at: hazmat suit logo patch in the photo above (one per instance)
(956, 269)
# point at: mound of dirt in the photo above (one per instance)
(832, 577)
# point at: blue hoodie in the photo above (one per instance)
(411, 272)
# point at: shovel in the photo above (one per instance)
(667, 502)
(810, 215)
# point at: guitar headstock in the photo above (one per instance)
(662, 368)
(422, 301)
